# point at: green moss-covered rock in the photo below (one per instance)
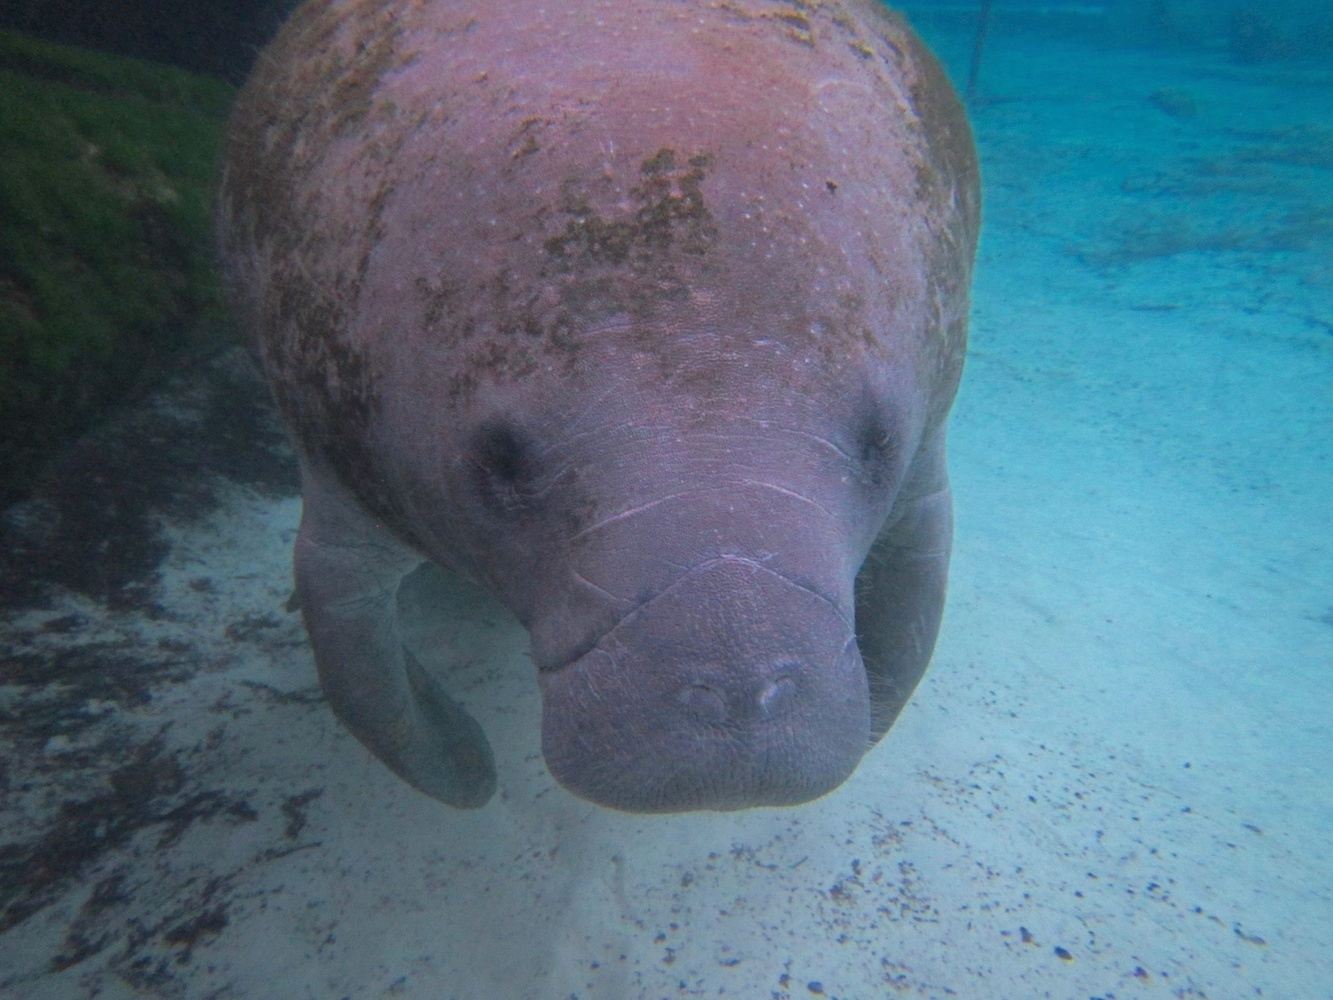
(106, 264)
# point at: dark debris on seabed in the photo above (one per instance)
(102, 782)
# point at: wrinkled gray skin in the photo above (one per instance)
(646, 314)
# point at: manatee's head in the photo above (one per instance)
(685, 557)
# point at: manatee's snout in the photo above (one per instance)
(734, 687)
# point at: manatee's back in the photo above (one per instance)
(376, 155)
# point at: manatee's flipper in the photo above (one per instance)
(900, 591)
(348, 568)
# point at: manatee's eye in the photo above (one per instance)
(503, 466)
(877, 452)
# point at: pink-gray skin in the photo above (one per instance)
(647, 315)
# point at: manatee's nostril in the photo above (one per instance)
(776, 695)
(738, 698)
(705, 702)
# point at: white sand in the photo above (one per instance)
(1122, 750)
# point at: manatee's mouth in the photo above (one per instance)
(734, 687)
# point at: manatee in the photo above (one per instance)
(645, 315)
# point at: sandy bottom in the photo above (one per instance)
(1115, 781)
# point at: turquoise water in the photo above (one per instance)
(1141, 456)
